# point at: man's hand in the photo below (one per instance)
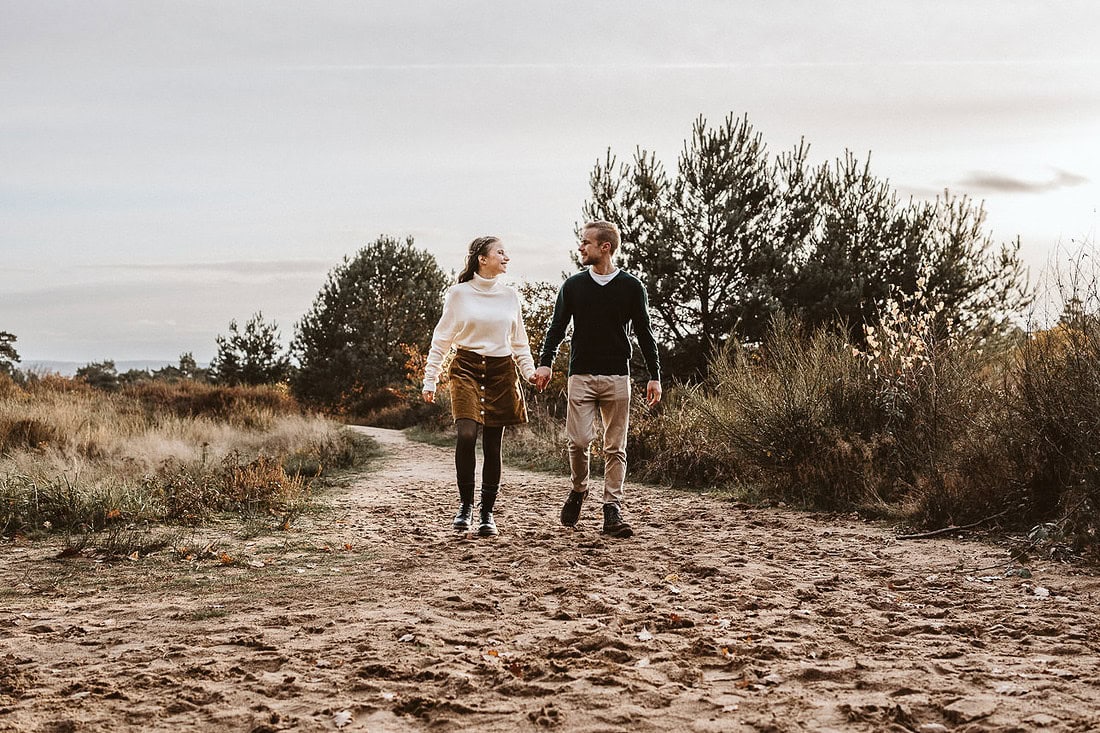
(653, 392)
(542, 377)
(429, 395)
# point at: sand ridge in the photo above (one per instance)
(714, 617)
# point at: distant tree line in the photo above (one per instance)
(105, 376)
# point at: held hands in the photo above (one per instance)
(541, 378)
(652, 392)
(429, 395)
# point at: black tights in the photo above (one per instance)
(465, 459)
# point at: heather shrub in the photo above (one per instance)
(412, 410)
(241, 405)
(673, 444)
(8, 386)
(792, 416)
(813, 420)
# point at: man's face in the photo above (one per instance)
(590, 250)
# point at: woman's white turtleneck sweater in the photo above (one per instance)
(481, 315)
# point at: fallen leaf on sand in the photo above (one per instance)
(676, 621)
(407, 638)
(341, 718)
(644, 635)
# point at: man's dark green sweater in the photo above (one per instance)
(603, 317)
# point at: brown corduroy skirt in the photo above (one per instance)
(486, 389)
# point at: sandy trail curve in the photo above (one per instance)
(376, 617)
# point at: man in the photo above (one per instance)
(605, 304)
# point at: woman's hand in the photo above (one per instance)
(429, 395)
(541, 378)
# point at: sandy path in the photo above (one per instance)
(712, 618)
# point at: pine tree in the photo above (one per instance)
(352, 344)
(252, 356)
(9, 357)
(736, 237)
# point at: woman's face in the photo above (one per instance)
(494, 262)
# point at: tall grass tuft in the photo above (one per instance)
(794, 419)
(884, 429)
(1054, 426)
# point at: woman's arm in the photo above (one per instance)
(521, 345)
(442, 338)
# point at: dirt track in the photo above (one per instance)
(712, 618)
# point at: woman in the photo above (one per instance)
(483, 319)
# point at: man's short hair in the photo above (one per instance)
(605, 232)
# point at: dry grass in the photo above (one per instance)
(76, 459)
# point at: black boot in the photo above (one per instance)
(488, 527)
(465, 515)
(571, 511)
(613, 524)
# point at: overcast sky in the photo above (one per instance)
(166, 167)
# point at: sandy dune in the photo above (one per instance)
(376, 617)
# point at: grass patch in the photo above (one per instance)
(84, 462)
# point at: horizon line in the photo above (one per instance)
(684, 65)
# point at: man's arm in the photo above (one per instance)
(556, 332)
(643, 331)
(554, 336)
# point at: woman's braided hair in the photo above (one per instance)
(478, 247)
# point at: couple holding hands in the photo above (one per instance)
(482, 318)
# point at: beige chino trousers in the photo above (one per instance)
(608, 395)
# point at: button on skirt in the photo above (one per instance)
(486, 389)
